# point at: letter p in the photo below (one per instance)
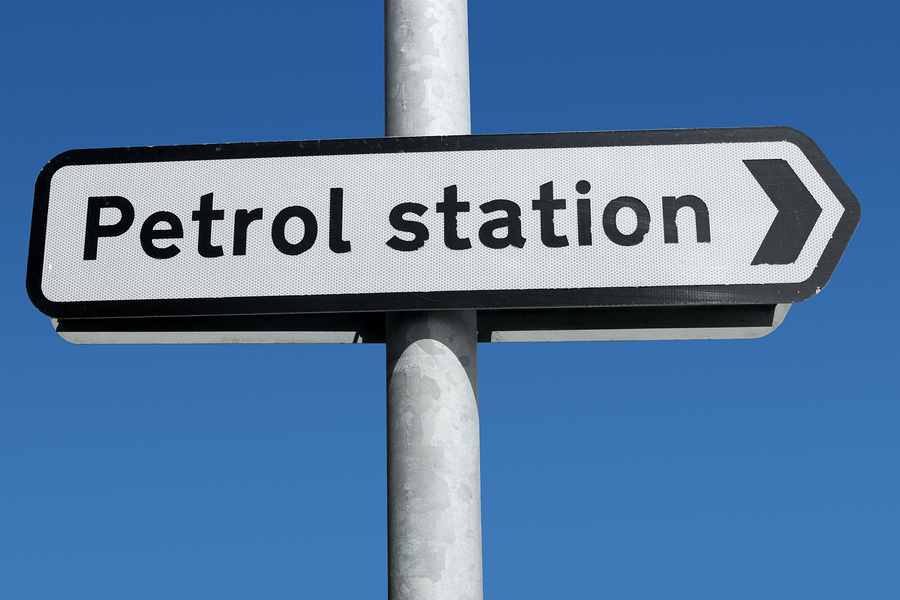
(94, 230)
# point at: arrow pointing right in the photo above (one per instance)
(797, 214)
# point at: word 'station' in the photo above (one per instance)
(703, 217)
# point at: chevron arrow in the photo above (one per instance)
(797, 214)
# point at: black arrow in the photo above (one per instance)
(797, 214)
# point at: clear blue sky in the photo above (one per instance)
(633, 470)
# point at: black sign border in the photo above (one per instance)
(711, 295)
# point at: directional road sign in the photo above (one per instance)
(606, 219)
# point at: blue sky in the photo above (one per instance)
(729, 469)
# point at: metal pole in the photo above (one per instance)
(434, 481)
(426, 67)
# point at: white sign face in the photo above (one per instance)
(547, 220)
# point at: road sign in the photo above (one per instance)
(606, 219)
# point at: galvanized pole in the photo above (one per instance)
(434, 481)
